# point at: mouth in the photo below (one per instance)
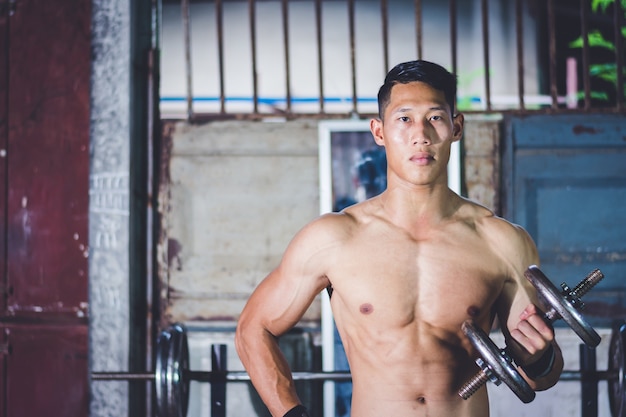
(422, 158)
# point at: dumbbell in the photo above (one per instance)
(496, 364)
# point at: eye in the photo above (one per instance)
(404, 119)
(436, 117)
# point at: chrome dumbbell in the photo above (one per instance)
(497, 365)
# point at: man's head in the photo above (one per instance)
(427, 72)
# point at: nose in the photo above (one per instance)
(421, 140)
(420, 134)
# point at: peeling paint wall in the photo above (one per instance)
(481, 161)
(237, 193)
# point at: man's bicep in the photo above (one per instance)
(282, 298)
(522, 293)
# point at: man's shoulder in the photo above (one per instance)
(501, 233)
(343, 225)
(491, 225)
(331, 226)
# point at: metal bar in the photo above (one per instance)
(384, 17)
(584, 30)
(618, 19)
(219, 17)
(188, 70)
(570, 376)
(589, 389)
(285, 13)
(209, 117)
(352, 53)
(453, 35)
(151, 185)
(519, 33)
(239, 376)
(385, 8)
(552, 87)
(552, 54)
(485, 21)
(418, 27)
(320, 58)
(299, 376)
(122, 376)
(218, 380)
(589, 375)
(218, 374)
(252, 18)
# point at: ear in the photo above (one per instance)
(457, 127)
(376, 127)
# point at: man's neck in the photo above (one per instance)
(420, 205)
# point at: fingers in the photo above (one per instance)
(532, 333)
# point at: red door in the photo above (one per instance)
(45, 60)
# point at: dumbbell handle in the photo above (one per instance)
(583, 287)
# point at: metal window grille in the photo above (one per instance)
(576, 49)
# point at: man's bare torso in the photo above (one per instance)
(399, 299)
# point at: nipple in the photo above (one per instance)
(473, 311)
(366, 308)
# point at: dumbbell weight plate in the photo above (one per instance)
(617, 363)
(552, 297)
(171, 384)
(499, 362)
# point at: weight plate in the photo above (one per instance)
(498, 361)
(172, 361)
(160, 373)
(617, 363)
(179, 366)
(552, 297)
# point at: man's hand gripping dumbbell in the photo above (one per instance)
(497, 365)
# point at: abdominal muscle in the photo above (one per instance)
(402, 376)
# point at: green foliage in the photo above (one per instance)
(607, 72)
(594, 38)
(604, 4)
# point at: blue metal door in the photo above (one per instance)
(565, 182)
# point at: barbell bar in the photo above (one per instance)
(172, 364)
(228, 376)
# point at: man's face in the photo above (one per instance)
(417, 132)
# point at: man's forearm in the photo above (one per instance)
(269, 371)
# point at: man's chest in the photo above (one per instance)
(400, 280)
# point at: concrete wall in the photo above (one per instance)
(237, 193)
(109, 233)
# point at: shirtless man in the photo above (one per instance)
(407, 267)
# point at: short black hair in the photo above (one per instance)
(419, 70)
